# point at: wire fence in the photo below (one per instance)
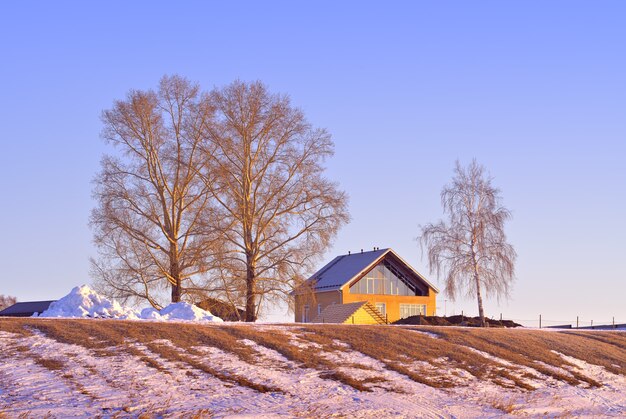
(577, 323)
(540, 321)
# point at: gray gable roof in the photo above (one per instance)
(26, 309)
(344, 268)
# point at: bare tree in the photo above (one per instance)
(6, 301)
(153, 222)
(282, 212)
(471, 247)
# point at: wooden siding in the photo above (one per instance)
(312, 300)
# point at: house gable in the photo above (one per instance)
(390, 275)
(345, 269)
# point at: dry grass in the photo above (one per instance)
(49, 363)
(526, 347)
(175, 355)
(14, 325)
(398, 348)
(309, 357)
(110, 337)
(503, 403)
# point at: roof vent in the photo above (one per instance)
(361, 250)
(348, 253)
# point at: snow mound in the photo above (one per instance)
(185, 311)
(150, 313)
(84, 302)
(179, 311)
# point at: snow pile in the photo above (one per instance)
(85, 302)
(179, 311)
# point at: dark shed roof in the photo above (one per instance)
(26, 309)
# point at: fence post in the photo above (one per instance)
(576, 322)
(592, 324)
(540, 321)
(613, 322)
(462, 318)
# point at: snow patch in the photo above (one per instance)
(84, 302)
(186, 311)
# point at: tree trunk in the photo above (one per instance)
(175, 273)
(479, 296)
(250, 291)
(176, 292)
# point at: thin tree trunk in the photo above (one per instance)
(479, 296)
(481, 312)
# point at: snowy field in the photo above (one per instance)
(121, 368)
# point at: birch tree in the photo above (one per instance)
(280, 212)
(153, 222)
(470, 249)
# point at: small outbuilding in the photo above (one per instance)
(347, 289)
(26, 309)
(224, 310)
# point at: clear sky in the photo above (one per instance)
(535, 90)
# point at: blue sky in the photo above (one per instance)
(536, 91)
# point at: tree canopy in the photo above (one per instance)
(470, 249)
(217, 193)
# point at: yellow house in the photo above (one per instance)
(366, 288)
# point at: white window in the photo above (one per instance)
(305, 314)
(408, 310)
(382, 308)
(386, 279)
(319, 309)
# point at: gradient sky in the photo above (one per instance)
(535, 90)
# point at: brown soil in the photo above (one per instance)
(455, 321)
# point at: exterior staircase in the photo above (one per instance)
(373, 311)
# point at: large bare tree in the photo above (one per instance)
(153, 223)
(6, 301)
(471, 248)
(266, 176)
